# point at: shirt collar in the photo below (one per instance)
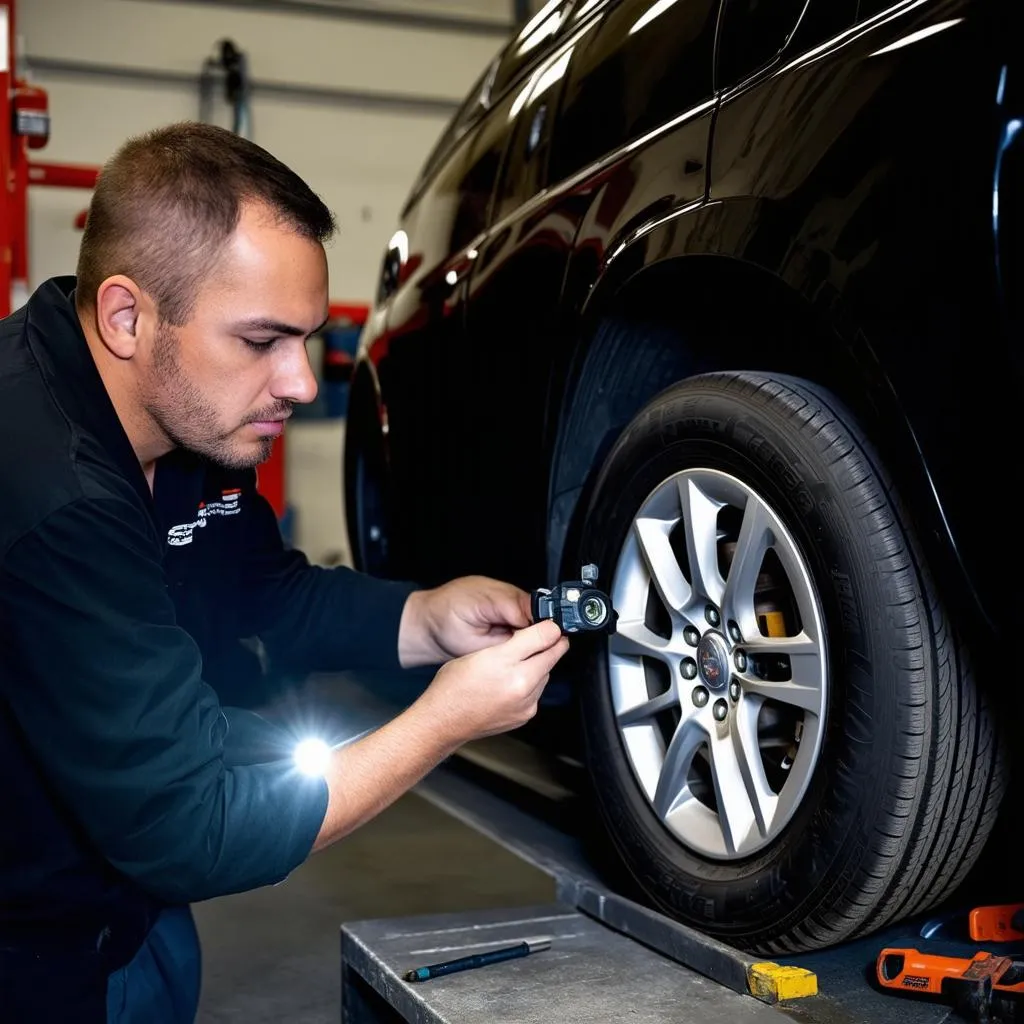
(58, 343)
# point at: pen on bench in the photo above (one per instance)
(465, 963)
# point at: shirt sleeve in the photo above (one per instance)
(111, 700)
(311, 618)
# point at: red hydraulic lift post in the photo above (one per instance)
(24, 125)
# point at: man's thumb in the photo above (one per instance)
(534, 639)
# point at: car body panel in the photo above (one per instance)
(828, 177)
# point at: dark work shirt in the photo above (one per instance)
(121, 787)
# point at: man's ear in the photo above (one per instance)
(123, 312)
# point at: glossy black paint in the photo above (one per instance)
(635, 206)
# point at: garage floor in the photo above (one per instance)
(272, 954)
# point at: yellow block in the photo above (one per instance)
(773, 982)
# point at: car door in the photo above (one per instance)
(421, 292)
(452, 392)
(612, 131)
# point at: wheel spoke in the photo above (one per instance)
(662, 564)
(803, 688)
(700, 520)
(798, 647)
(633, 639)
(807, 698)
(745, 800)
(673, 786)
(645, 711)
(754, 540)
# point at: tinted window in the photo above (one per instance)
(647, 62)
(473, 106)
(533, 38)
(534, 104)
(753, 34)
(457, 200)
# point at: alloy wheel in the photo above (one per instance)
(718, 668)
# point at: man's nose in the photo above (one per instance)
(294, 380)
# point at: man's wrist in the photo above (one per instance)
(416, 643)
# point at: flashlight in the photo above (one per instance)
(312, 756)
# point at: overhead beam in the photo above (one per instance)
(364, 99)
(354, 10)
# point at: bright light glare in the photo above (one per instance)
(916, 37)
(543, 24)
(650, 14)
(540, 81)
(400, 242)
(585, 9)
(312, 757)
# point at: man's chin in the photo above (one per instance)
(237, 457)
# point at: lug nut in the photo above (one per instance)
(691, 635)
(711, 614)
(734, 690)
(688, 668)
(700, 696)
(740, 661)
(734, 632)
(720, 710)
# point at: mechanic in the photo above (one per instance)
(136, 556)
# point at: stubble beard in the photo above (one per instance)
(189, 420)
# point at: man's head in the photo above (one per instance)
(201, 275)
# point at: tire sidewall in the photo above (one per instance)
(698, 425)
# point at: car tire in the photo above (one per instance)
(907, 770)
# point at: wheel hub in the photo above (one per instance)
(713, 661)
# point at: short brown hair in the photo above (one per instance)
(168, 201)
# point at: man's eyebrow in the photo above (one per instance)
(277, 327)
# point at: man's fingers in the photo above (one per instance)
(512, 606)
(534, 639)
(525, 606)
(547, 660)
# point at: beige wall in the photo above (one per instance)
(361, 160)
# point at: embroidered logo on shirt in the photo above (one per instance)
(179, 536)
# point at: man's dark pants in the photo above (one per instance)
(159, 985)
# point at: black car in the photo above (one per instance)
(723, 296)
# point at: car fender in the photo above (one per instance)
(679, 250)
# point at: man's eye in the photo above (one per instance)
(259, 346)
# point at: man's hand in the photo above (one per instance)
(495, 689)
(490, 691)
(461, 617)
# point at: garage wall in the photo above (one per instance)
(353, 104)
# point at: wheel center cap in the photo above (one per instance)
(713, 661)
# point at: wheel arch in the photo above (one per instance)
(652, 322)
(364, 438)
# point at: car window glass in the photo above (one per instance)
(465, 182)
(530, 41)
(647, 62)
(532, 111)
(753, 32)
(475, 103)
